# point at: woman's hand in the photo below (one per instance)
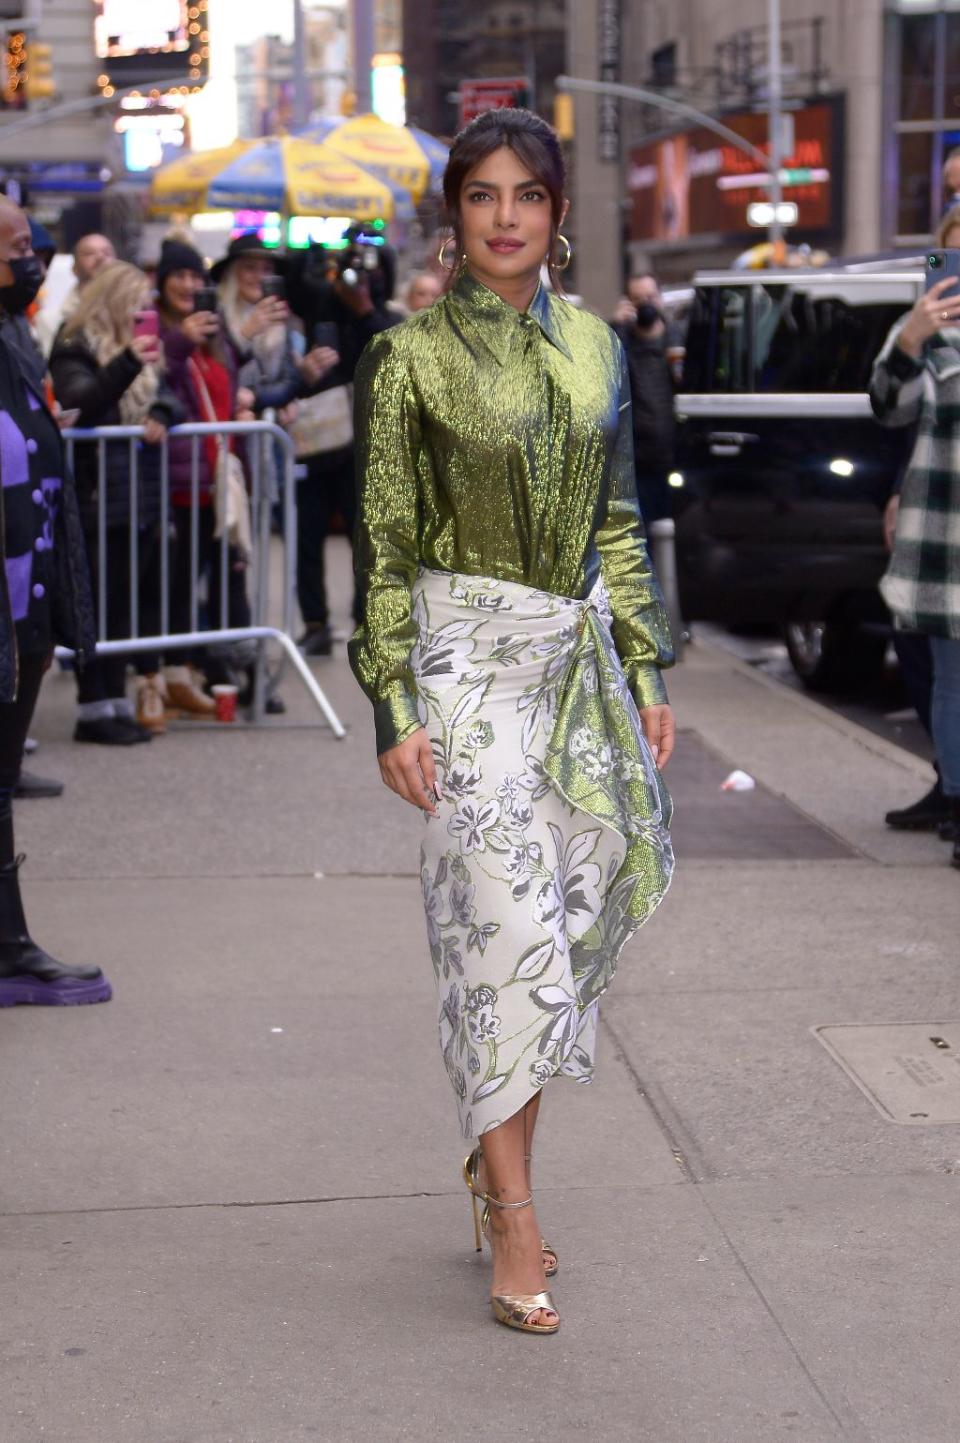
(409, 770)
(317, 363)
(287, 414)
(931, 311)
(660, 730)
(890, 513)
(199, 326)
(246, 400)
(271, 311)
(146, 349)
(154, 431)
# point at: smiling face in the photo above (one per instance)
(505, 220)
(251, 272)
(179, 289)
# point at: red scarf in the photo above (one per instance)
(216, 378)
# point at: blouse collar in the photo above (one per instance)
(496, 321)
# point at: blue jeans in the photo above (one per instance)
(945, 714)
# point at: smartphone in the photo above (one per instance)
(66, 419)
(327, 333)
(206, 299)
(274, 287)
(146, 323)
(942, 265)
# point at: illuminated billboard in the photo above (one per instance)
(151, 40)
(124, 27)
(695, 183)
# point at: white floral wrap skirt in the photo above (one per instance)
(552, 845)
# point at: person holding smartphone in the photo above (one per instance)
(258, 325)
(106, 366)
(916, 381)
(201, 372)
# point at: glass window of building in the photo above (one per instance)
(923, 95)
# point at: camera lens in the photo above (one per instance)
(934, 262)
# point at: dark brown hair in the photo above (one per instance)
(532, 141)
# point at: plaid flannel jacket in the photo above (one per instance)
(922, 581)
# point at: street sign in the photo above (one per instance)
(476, 96)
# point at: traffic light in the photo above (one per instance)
(38, 73)
(14, 93)
(563, 114)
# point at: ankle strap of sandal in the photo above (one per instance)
(494, 1202)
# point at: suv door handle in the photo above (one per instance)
(729, 443)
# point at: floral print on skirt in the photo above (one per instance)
(552, 843)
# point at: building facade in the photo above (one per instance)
(871, 108)
(446, 43)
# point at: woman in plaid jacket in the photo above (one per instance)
(916, 378)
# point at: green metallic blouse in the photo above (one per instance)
(498, 443)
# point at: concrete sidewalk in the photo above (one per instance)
(230, 1209)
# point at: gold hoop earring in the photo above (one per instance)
(440, 254)
(562, 265)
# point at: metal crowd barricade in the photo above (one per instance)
(262, 437)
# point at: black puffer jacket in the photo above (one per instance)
(71, 603)
(80, 382)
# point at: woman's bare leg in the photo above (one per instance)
(514, 1232)
(530, 1114)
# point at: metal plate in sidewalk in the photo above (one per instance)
(909, 1070)
(755, 826)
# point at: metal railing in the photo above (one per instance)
(269, 450)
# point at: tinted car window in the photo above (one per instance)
(718, 342)
(805, 341)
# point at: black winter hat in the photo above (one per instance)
(178, 256)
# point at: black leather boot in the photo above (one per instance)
(955, 810)
(27, 973)
(927, 815)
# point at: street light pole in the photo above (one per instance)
(301, 89)
(363, 48)
(775, 125)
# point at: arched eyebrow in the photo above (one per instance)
(521, 185)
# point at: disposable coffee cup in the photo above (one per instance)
(226, 699)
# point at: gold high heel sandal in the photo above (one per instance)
(471, 1176)
(513, 1310)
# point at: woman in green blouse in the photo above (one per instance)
(513, 644)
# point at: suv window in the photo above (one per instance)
(790, 338)
(805, 341)
(718, 341)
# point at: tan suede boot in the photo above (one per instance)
(151, 711)
(185, 694)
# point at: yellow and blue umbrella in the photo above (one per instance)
(182, 185)
(401, 155)
(296, 175)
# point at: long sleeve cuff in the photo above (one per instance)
(395, 718)
(903, 366)
(646, 683)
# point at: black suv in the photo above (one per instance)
(782, 473)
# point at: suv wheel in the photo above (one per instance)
(830, 657)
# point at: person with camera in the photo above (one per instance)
(106, 365)
(44, 599)
(916, 381)
(640, 323)
(202, 375)
(341, 296)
